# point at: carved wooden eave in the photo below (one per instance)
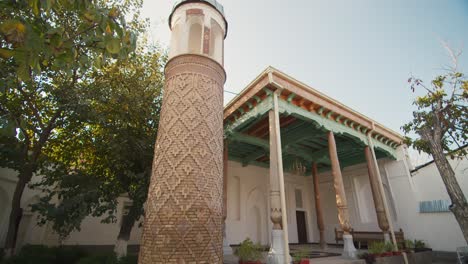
(298, 99)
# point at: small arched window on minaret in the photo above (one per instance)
(216, 41)
(177, 35)
(195, 38)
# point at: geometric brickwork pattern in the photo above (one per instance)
(184, 210)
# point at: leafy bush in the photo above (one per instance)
(377, 248)
(300, 255)
(38, 254)
(69, 254)
(388, 247)
(32, 254)
(129, 260)
(248, 251)
(409, 244)
(419, 244)
(99, 259)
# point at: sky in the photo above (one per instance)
(359, 52)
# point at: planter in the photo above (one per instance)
(422, 249)
(250, 262)
(390, 260)
(304, 261)
(413, 258)
(420, 257)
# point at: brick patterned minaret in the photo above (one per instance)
(184, 210)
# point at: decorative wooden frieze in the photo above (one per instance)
(206, 40)
(194, 11)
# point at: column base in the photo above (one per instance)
(386, 236)
(349, 251)
(323, 245)
(227, 249)
(276, 253)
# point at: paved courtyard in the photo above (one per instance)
(230, 259)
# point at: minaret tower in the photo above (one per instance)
(184, 211)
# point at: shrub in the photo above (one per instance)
(38, 254)
(300, 255)
(419, 244)
(388, 247)
(33, 254)
(99, 259)
(248, 251)
(129, 260)
(69, 254)
(377, 248)
(409, 244)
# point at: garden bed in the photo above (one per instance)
(413, 258)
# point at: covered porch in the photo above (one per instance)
(299, 164)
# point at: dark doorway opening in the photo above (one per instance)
(301, 227)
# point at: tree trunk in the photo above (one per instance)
(459, 205)
(128, 221)
(15, 213)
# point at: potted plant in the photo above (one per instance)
(376, 248)
(388, 249)
(301, 256)
(369, 258)
(249, 253)
(409, 246)
(420, 246)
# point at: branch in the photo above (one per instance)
(33, 109)
(45, 135)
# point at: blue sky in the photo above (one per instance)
(360, 52)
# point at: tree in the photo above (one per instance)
(46, 50)
(441, 124)
(112, 154)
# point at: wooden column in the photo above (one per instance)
(318, 207)
(275, 199)
(341, 203)
(376, 194)
(225, 178)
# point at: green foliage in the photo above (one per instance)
(248, 251)
(36, 254)
(419, 244)
(389, 247)
(112, 153)
(377, 248)
(301, 254)
(48, 51)
(99, 259)
(58, 35)
(409, 244)
(442, 113)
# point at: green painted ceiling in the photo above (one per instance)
(303, 141)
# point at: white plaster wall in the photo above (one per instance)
(248, 187)
(28, 231)
(93, 232)
(253, 179)
(355, 179)
(440, 230)
(359, 197)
